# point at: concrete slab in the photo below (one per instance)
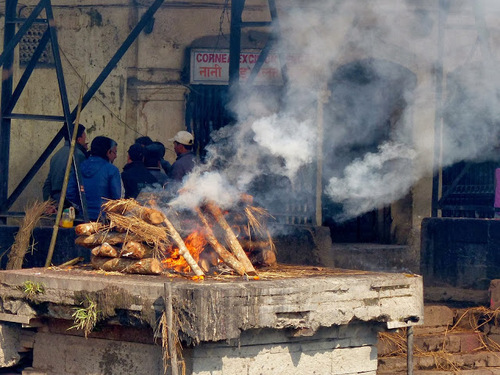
(219, 309)
(293, 319)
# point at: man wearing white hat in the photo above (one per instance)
(183, 147)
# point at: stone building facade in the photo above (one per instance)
(151, 90)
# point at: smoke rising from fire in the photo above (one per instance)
(378, 64)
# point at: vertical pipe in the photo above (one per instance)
(409, 350)
(7, 85)
(235, 42)
(438, 120)
(322, 100)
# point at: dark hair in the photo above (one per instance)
(135, 152)
(100, 146)
(153, 153)
(144, 141)
(79, 131)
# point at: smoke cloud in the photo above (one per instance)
(376, 66)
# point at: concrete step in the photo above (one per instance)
(484, 360)
(449, 342)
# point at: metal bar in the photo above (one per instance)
(7, 84)
(58, 65)
(457, 207)
(260, 61)
(255, 24)
(27, 72)
(91, 91)
(64, 99)
(454, 183)
(409, 350)
(65, 103)
(438, 120)
(13, 41)
(277, 32)
(34, 169)
(27, 116)
(235, 42)
(22, 20)
(146, 17)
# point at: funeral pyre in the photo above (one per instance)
(144, 239)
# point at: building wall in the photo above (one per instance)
(146, 92)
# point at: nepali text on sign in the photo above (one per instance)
(212, 67)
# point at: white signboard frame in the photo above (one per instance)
(211, 67)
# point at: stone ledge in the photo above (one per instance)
(219, 310)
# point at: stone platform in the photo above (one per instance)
(292, 320)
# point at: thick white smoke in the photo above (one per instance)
(377, 61)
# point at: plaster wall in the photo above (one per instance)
(145, 94)
(339, 350)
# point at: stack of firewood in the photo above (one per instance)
(134, 238)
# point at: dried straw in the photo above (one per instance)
(257, 217)
(153, 235)
(164, 330)
(32, 215)
(476, 318)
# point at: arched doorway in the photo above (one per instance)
(367, 102)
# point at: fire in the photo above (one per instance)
(195, 243)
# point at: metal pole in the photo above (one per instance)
(438, 121)
(409, 350)
(7, 84)
(323, 98)
(235, 42)
(5, 204)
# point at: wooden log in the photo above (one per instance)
(146, 266)
(249, 245)
(132, 207)
(183, 250)
(225, 255)
(105, 250)
(135, 250)
(96, 239)
(72, 262)
(231, 239)
(87, 229)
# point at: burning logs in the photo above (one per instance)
(231, 239)
(183, 249)
(137, 239)
(225, 255)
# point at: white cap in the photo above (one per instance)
(184, 138)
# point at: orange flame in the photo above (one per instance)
(195, 243)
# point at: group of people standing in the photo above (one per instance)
(102, 180)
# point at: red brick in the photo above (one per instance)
(437, 315)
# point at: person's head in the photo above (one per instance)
(153, 153)
(183, 142)
(81, 136)
(136, 152)
(103, 147)
(144, 141)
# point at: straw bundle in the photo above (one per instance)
(32, 216)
